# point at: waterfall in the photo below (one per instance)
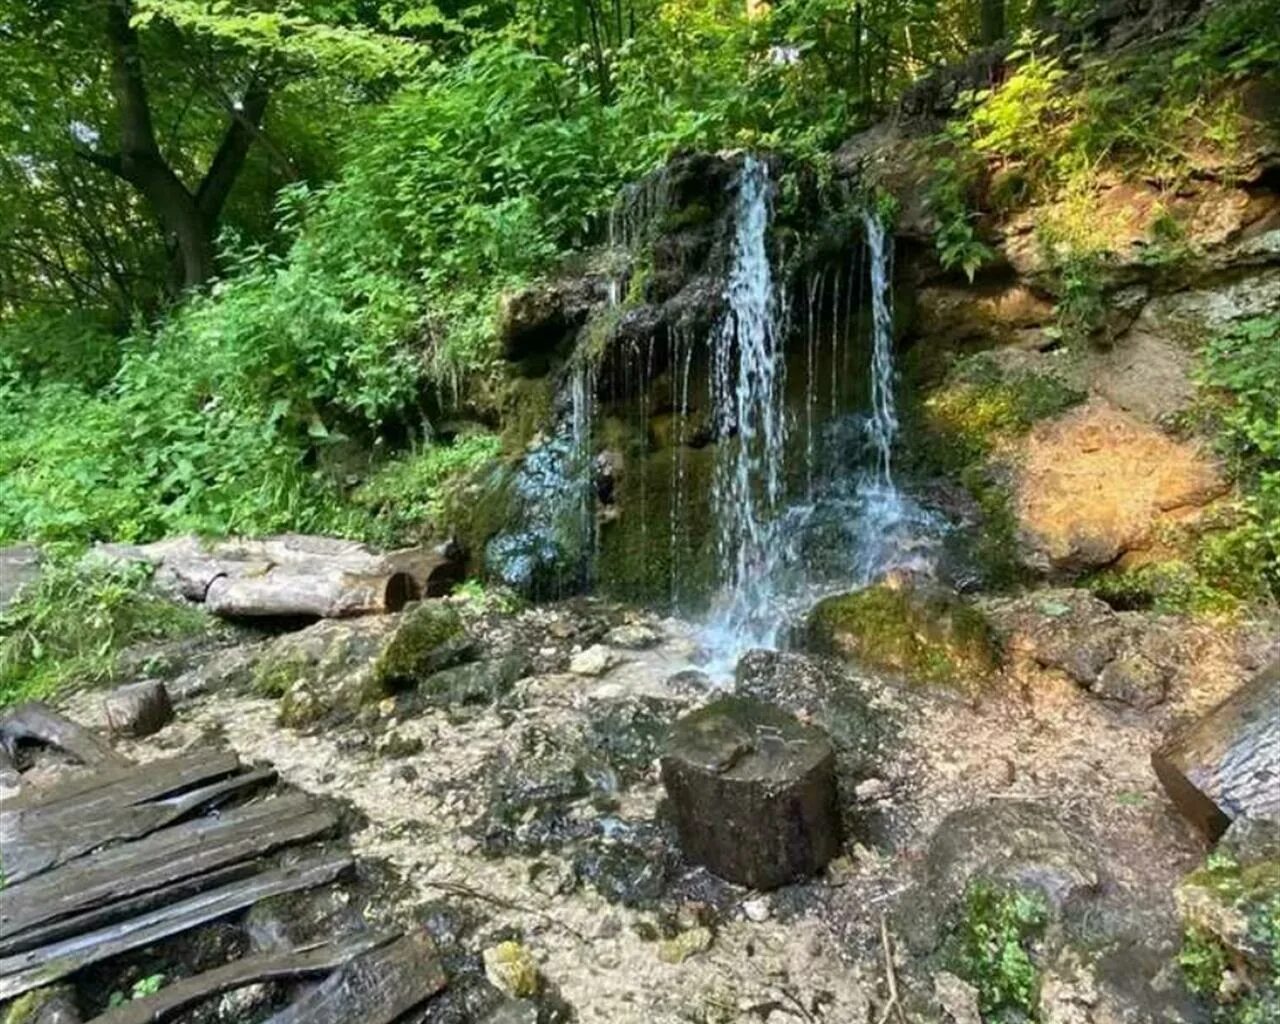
(746, 386)
(883, 425)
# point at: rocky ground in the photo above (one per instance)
(529, 809)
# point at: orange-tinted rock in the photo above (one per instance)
(1096, 484)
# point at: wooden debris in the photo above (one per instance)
(31, 969)
(375, 988)
(312, 591)
(294, 574)
(39, 839)
(118, 872)
(248, 971)
(39, 722)
(138, 709)
(1227, 765)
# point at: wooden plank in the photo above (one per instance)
(37, 721)
(54, 838)
(374, 988)
(92, 920)
(24, 971)
(249, 970)
(126, 783)
(170, 855)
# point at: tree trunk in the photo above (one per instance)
(189, 219)
(992, 22)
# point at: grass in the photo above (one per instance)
(70, 628)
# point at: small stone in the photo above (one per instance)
(397, 744)
(871, 789)
(686, 944)
(757, 910)
(593, 662)
(511, 969)
(633, 637)
(139, 709)
(513, 1011)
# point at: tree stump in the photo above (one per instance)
(1227, 765)
(138, 709)
(754, 792)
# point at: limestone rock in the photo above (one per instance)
(992, 315)
(633, 637)
(753, 791)
(925, 634)
(1009, 842)
(139, 709)
(536, 320)
(958, 999)
(19, 567)
(1095, 485)
(594, 661)
(335, 667)
(511, 969)
(479, 682)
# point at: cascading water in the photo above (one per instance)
(746, 385)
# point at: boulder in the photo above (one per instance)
(335, 667)
(754, 792)
(138, 709)
(1096, 485)
(925, 634)
(1007, 842)
(594, 661)
(478, 682)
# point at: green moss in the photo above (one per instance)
(527, 406)
(418, 646)
(930, 637)
(990, 947)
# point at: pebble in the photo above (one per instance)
(511, 969)
(757, 910)
(871, 789)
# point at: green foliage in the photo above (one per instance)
(71, 627)
(408, 496)
(1240, 380)
(990, 946)
(143, 987)
(1203, 960)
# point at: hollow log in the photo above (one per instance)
(1227, 765)
(38, 722)
(754, 792)
(305, 591)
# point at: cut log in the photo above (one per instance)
(375, 988)
(138, 709)
(39, 722)
(434, 572)
(754, 792)
(1227, 765)
(24, 971)
(117, 872)
(320, 593)
(247, 971)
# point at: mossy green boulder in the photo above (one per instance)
(334, 668)
(924, 634)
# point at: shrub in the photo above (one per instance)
(990, 946)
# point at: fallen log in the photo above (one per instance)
(249, 970)
(318, 592)
(1227, 765)
(375, 988)
(39, 722)
(31, 969)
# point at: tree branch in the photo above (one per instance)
(229, 160)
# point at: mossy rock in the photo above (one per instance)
(480, 682)
(928, 636)
(429, 638)
(331, 670)
(39, 1005)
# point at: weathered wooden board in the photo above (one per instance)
(31, 969)
(374, 988)
(43, 838)
(37, 721)
(1227, 764)
(118, 872)
(247, 971)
